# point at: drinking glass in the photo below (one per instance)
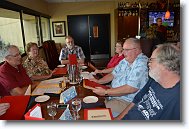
(51, 109)
(76, 106)
(72, 112)
(79, 79)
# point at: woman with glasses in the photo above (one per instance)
(36, 67)
(114, 60)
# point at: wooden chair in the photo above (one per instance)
(51, 54)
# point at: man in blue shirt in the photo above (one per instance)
(128, 77)
(160, 97)
(71, 48)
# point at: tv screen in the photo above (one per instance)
(166, 22)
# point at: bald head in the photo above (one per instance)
(135, 43)
(131, 49)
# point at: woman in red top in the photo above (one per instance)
(114, 60)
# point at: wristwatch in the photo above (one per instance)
(106, 93)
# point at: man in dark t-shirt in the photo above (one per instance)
(160, 97)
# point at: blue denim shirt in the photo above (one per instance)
(135, 75)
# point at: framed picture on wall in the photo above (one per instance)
(59, 28)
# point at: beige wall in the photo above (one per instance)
(59, 12)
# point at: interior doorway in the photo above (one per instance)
(92, 33)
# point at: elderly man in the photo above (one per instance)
(71, 48)
(13, 76)
(160, 97)
(128, 77)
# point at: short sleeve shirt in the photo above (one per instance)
(36, 66)
(11, 78)
(134, 75)
(66, 51)
(154, 102)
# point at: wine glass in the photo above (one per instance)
(51, 109)
(76, 106)
(79, 79)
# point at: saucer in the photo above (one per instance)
(60, 66)
(42, 98)
(90, 99)
(83, 67)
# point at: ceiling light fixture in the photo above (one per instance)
(167, 14)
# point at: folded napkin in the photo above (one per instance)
(60, 71)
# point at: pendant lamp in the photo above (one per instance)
(167, 14)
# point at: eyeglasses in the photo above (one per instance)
(129, 49)
(118, 46)
(16, 55)
(151, 59)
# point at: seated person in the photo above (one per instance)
(114, 60)
(3, 108)
(35, 66)
(13, 76)
(160, 97)
(128, 77)
(71, 48)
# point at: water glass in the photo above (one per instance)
(51, 109)
(79, 79)
(76, 106)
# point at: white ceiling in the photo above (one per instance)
(60, 1)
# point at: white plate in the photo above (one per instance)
(90, 99)
(72, 83)
(83, 67)
(42, 98)
(60, 66)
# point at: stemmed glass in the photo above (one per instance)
(79, 79)
(76, 106)
(51, 109)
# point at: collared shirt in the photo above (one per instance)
(36, 66)
(66, 51)
(11, 77)
(134, 75)
(115, 61)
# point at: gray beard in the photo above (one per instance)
(155, 74)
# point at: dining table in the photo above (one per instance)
(82, 92)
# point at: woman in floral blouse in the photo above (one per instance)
(35, 66)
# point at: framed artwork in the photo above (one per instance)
(59, 28)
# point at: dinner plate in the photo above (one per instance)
(84, 67)
(90, 99)
(42, 98)
(60, 66)
(72, 83)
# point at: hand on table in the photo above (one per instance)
(99, 91)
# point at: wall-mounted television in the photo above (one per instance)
(153, 15)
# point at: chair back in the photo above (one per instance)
(51, 54)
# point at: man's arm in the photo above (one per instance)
(64, 61)
(109, 77)
(119, 91)
(124, 112)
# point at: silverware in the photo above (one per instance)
(98, 116)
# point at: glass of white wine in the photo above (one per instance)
(51, 109)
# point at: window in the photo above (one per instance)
(31, 30)
(45, 28)
(10, 30)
